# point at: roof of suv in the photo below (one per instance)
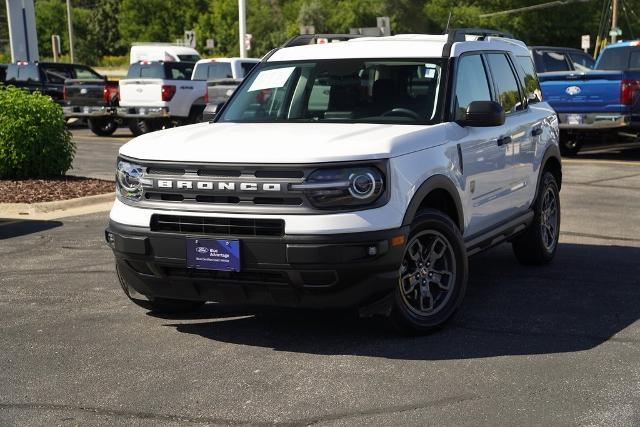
(399, 46)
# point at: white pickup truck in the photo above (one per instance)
(223, 76)
(159, 94)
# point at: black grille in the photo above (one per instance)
(229, 276)
(217, 226)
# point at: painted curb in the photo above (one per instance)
(55, 206)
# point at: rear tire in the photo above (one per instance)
(538, 244)
(569, 144)
(160, 305)
(432, 279)
(140, 127)
(103, 126)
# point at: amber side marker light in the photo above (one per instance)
(398, 240)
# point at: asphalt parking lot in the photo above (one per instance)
(547, 346)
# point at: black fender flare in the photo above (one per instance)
(553, 151)
(436, 182)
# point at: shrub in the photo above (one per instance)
(34, 140)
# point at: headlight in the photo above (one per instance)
(343, 188)
(129, 180)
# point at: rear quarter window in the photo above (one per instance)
(529, 79)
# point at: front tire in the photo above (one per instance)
(160, 305)
(538, 244)
(103, 126)
(433, 276)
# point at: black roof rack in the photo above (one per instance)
(305, 39)
(458, 34)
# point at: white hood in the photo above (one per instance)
(283, 142)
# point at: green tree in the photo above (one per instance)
(103, 32)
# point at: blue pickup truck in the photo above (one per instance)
(597, 105)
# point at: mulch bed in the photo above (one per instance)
(51, 189)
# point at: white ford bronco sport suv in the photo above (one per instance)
(354, 174)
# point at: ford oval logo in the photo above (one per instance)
(573, 90)
(83, 91)
(202, 250)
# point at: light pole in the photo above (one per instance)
(614, 21)
(242, 26)
(70, 23)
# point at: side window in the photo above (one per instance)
(57, 74)
(581, 61)
(552, 61)
(506, 83)
(530, 79)
(471, 84)
(86, 73)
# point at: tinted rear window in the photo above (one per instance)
(159, 70)
(152, 70)
(213, 71)
(23, 73)
(616, 58)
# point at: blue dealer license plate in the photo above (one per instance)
(210, 254)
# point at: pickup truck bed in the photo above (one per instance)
(598, 104)
(94, 100)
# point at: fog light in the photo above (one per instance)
(109, 237)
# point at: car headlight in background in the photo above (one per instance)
(129, 180)
(343, 187)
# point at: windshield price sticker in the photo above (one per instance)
(270, 79)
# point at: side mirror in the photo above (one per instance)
(211, 110)
(483, 114)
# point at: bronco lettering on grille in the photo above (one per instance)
(217, 185)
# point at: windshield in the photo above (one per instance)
(352, 90)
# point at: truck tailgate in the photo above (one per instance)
(572, 92)
(141, 92)
(85, 92)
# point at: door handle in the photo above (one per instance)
(504, 141)
(536, 132)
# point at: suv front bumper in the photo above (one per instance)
(315, 271)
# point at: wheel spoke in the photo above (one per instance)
(425, 293)
(411, 280)
(434, 254)
(416, 254)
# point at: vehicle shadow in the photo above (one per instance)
(587, 296)
(13, 228)
(626, 151)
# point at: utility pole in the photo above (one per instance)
(70, 23)
(614, 21)
(242, 26)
